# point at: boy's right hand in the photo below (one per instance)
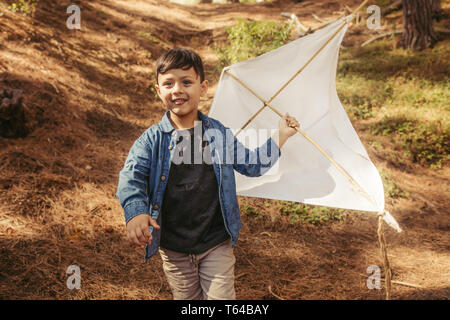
(137, 229)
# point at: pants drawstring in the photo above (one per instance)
(193, 260)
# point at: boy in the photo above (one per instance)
(188, 208)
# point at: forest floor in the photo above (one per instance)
(87, 96)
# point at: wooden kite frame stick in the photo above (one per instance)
(352, 181)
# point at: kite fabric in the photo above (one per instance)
(303, 173)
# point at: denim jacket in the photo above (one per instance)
(143, 178)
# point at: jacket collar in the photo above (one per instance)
(166, 125)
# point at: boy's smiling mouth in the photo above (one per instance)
(179, 101)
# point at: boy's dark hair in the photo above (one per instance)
(180, 58)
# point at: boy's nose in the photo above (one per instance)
(177, 87)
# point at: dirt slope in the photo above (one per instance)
(87, 97)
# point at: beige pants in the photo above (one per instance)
(207, 276)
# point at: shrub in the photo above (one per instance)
(27, 7)
(249, 39)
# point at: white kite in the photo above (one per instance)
(327, 164)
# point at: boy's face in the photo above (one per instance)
(180, 91)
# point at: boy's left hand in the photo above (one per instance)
(287, 125)
(286, 128)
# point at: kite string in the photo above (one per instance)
(387, 267)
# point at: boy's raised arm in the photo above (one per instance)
(254, 163)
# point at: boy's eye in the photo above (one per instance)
(168, 83)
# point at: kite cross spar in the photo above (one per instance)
(325, 119)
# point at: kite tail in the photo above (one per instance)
(387, 267)
(386, 216)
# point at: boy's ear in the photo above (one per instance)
(157, 90)
(204, 87)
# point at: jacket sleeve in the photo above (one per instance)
(255, 163)
(133, 180)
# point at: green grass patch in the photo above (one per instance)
(427, 143)
(422, 96)
(302, 213)
(297, 213)
(403, 95)
(377, 79)
(253, 212)
(391, 189)
(380, 60)
(363, 98)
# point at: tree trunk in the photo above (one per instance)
(418, 32)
